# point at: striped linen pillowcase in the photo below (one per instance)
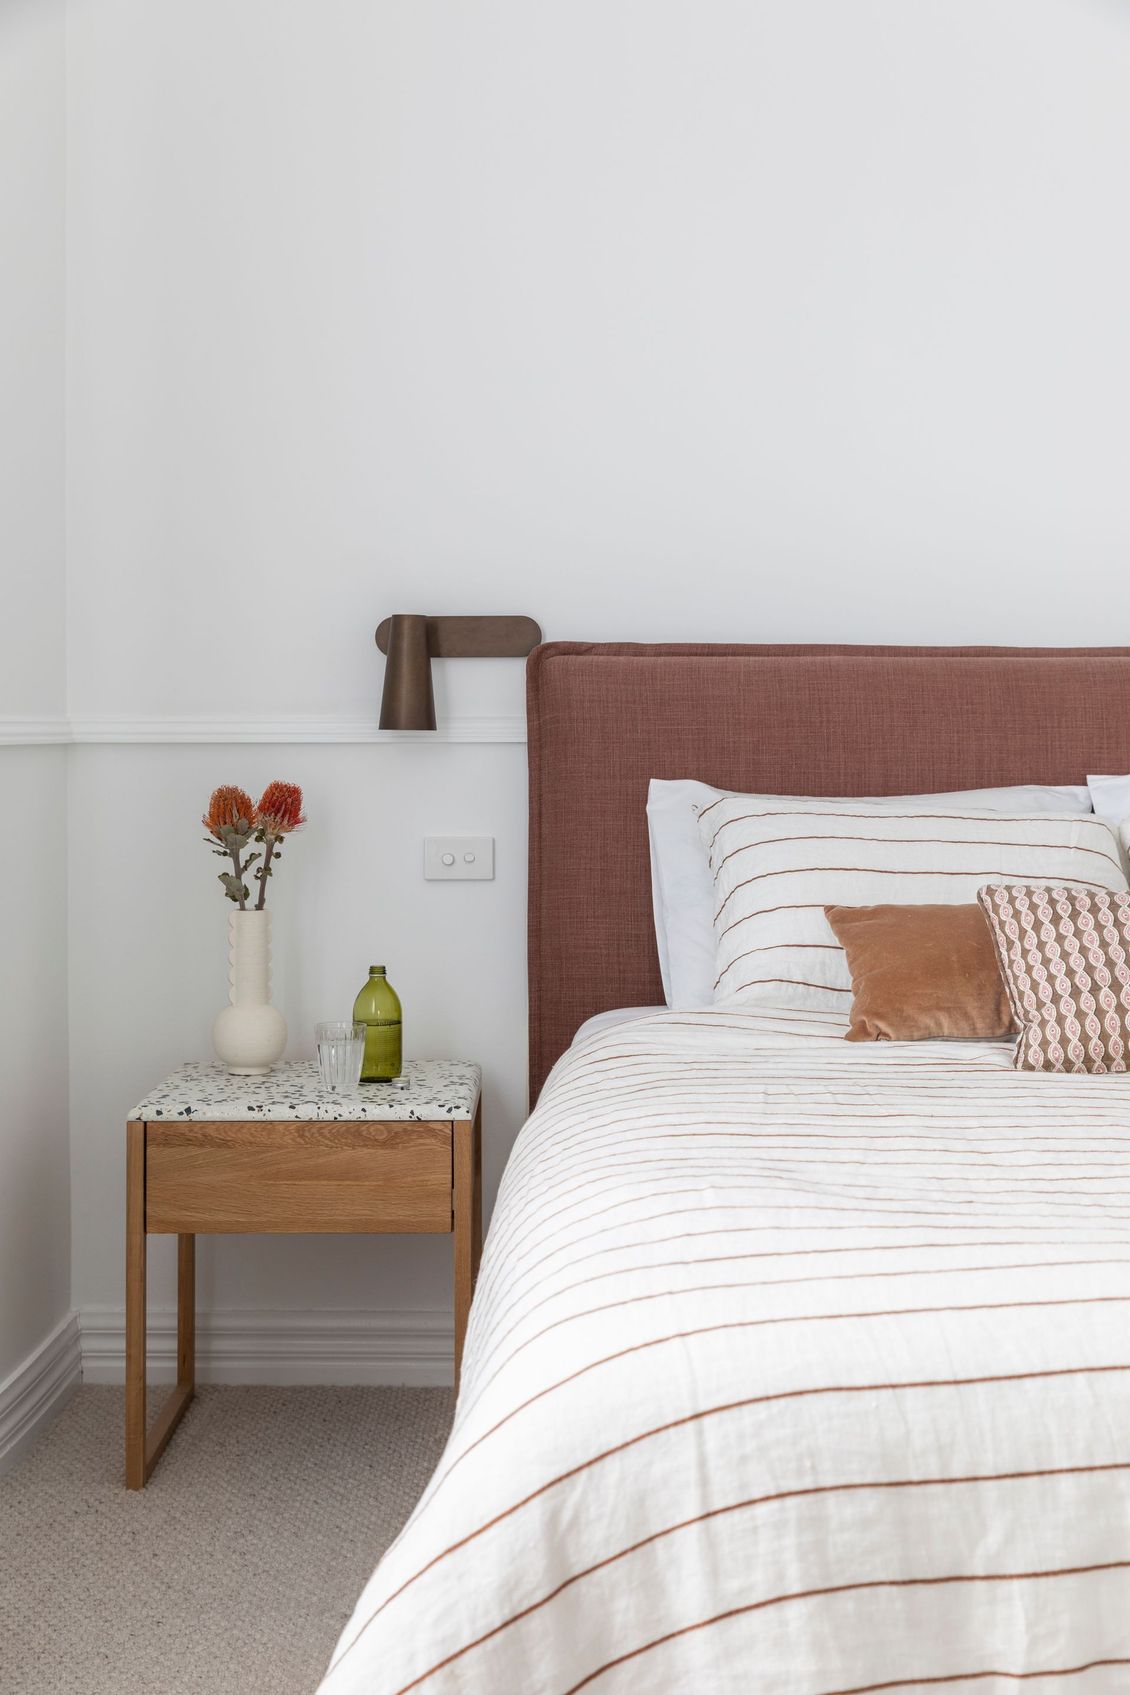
(1065, 959)
(776, 867)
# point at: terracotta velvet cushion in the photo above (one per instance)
(921, 972)
(1065, 958)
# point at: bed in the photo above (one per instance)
(794, 1365)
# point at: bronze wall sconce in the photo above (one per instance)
(412, 641)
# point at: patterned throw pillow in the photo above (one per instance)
(1065, 958)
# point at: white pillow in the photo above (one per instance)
(1110, 798)
(682, 889)
(776, 866)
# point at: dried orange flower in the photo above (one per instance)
(230, 820)
(233, 820)
(280, 809)
(230, 808)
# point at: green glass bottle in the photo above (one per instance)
(377, 1007)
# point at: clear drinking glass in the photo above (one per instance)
(341, 1048)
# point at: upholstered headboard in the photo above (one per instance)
(604, 718)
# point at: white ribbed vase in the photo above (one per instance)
(250, 1034)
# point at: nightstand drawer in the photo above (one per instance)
(319, 1176)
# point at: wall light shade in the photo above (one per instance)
(412, 641)
(407, 702)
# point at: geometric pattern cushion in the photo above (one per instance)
(1065, 959)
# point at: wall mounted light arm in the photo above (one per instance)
(412, 641)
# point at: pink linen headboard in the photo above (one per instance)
(604, 718)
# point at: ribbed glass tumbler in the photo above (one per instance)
(341, 1048)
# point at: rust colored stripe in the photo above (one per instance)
(889, 871)
(682, 1123)
(803, 1154)
(791, 947)
(865, 1225)
(505, 1290)
(846, 1589)
(796, 1153)
(873, 816)
(872, 1215)
(922, 841)
(748, 1504)
(529, 1285)
(767, 911)
(728, 1207)
(722, 1169)
(694, 1418)
(782, 947)
(765, 1324)
(869, 1218)
(973, 1677)
(801, 1128)
(751, 1283)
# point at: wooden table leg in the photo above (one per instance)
(186, 1312)
(468, 1221)
(477, 1202)
(144, 1449)
(135, 1305)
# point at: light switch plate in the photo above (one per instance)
(454, 858)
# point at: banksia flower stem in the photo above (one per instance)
(238, 868)
(278, 813)
(264, 872)
(233, 822)
(230, 823)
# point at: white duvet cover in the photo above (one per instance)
(796, 1367)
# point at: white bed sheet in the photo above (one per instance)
(615, 1015)
(795, 1366)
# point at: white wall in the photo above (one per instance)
(35, 1249)
(34, 1174)
(620, 312)
(734, 319)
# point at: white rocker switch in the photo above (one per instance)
(450, 858)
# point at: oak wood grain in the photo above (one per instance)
(176, 1404)
(467, 1146)
(186, 1312)
(304, 1177)
(188, 1178)
(309, 1133)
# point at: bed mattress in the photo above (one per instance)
(795, 1366)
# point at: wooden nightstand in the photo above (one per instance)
(208, 1153)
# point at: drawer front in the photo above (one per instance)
(217, 1178)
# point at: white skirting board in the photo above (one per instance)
(33, 1393)
(240, 1346)
(247, 1345)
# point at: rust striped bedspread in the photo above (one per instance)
(796, 1367)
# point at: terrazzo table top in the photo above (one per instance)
(427, 1089)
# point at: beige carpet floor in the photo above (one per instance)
(234, 1570)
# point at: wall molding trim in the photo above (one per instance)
(312, 728)
(34, 732)
(258, 1345)
(309, 728)
(39, 1388)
